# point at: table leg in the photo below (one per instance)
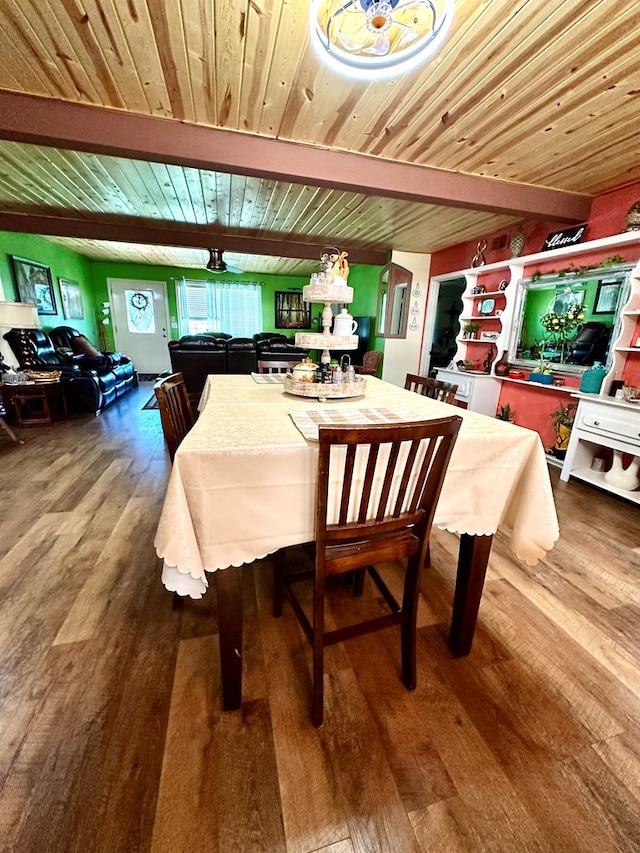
(472, 568)
(229, 593)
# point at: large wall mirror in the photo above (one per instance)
(393, 301)
(568, 321)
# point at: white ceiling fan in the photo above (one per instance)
(216, 263)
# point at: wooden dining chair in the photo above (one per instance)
(274, 366)
(176, 414)
(378, 488)
(434, 388)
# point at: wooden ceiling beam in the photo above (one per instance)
(80, 127)
(196, 237)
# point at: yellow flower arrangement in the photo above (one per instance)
(563, 323)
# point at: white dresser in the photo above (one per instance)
(601, 422)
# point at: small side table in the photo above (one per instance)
(36, 403)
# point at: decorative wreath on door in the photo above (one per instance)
(139, 300)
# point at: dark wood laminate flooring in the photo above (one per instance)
(111, 735)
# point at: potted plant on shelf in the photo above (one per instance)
(471, 330)
(542, 374)
(562, 421)
(505, 413)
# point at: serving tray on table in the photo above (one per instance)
(333, 391)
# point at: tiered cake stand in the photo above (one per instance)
(331, 291)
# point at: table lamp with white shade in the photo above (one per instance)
(15, 315)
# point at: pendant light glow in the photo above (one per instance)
(371, 39)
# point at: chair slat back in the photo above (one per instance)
(274, 366)
(434, 388)
(176, 414)
(380, 479)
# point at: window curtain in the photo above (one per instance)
(234, 307)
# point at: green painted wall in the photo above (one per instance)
(63, 264)
(92, 277)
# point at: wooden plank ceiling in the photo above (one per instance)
(157, 129)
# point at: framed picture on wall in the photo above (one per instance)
(34, 284)
(292, 312)
(606, 299)
(71, 299)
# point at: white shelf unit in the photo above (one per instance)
(512, 270)
(475, 349)
(601, 422)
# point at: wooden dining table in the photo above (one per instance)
(243, 486)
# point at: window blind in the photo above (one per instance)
(234, 307)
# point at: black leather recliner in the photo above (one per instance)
(242, 355)
(280, 348)
(196, 356)
(86, 388)
(591, 343)
(116, 373)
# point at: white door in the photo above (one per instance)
(140, 327)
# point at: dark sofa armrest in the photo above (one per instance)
(116, 358)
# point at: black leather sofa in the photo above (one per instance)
(92, 380)
(197, 356)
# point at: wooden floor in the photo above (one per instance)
(111, 733)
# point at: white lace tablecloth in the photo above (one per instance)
(244, 479)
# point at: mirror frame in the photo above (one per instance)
(598, 274)
(392, 278)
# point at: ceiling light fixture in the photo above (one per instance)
(378, 38)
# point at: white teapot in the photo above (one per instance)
(344, 324)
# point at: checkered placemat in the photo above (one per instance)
(309, 421)
(268, 378)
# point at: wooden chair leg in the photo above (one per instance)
(408, 628)
(279, 566)
(317, 699)
(358, 581)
